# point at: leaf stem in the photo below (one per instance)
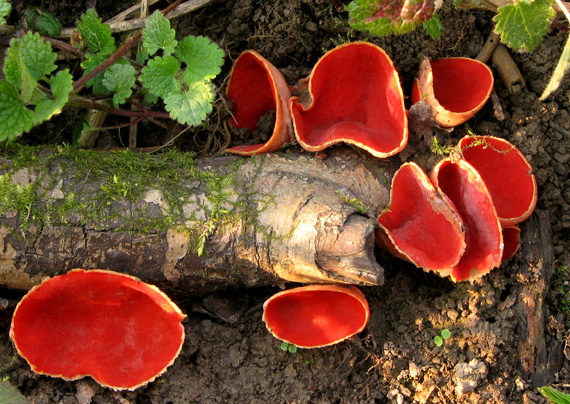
(145, 113)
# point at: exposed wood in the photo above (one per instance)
(286, 218)
(539, 363)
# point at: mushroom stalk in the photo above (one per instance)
(223, 222)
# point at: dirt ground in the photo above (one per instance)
(493, 355)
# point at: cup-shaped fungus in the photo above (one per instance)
(460, 182)
(511, 235)
(455, 88)
(419, 225)
(110, 326)
(257, 88)
(315, 316)
(353, 95)
(507, 175)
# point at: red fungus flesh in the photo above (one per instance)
(317, 315)
(511, 235)
(507, 175)
(419, 224)
(110, 326)
(462, 184)
(256, 87)
(460, 84)
(354, 97)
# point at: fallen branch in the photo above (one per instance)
(192, 227)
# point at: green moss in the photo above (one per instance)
(95, 183)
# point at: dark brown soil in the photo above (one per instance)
(395, 360)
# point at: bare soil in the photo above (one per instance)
(494, 354)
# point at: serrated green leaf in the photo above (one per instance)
(383, 17)
(120, 78)
(193, 105)
(157, 34)
(523, 25)
(433, 26)
(96, 34)
(158, 76)
(37, 55)
(203, 58)
(61, 85)
(5, 8)
(17, 73)
(96, 82)
(42, 21)
(15, 118)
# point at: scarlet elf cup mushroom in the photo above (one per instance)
(315, 316)
(110, 326)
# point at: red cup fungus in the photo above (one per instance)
(460, 182)
(419, 225)
(455, 88)
(507, 175)
(256, 88)
(353, 95)
(110, 326)
(511, 235)
(315, 316)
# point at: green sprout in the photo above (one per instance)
(285, 347)
(438, 339)
(555, 396)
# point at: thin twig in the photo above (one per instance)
(80, 102)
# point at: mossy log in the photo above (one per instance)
(190, 225)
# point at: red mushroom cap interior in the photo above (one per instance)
(511, 235)
(354, 96)
(456, 88)
(507, 175)
(316, 315)
(110, 326)
(256, 87)
(419, 224)
(464, 187)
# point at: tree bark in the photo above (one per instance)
(266, 220)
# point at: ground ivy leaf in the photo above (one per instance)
(191, 106)
(158, 76)
(96, 82)
(5, 8)
(203, 58)
(61, 86)
(15, 118)
(96, 34)
(433, 26)
(42, 21)
(157, 34)
(37, 55)
(120, 78)
(523, 25)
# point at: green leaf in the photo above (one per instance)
(523, 25)
(383, 17)
(193, 105)
(96, 34)
(37, 55)
(96, 82)
(438, 340)
(433, 26)
(61, 86)
(159, 75)
(157, 34)
(284, 346)
(5, 8)
(15, 118)
(445, 333)
(292, 348)
(203, 58)
(555, 396)
(17, 73)
(42, 21)
(120, 78)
